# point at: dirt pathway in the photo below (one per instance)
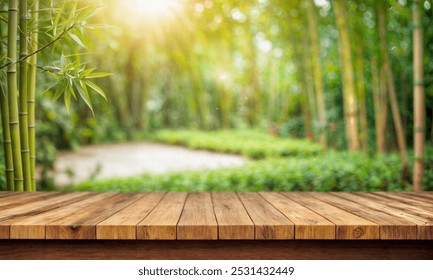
(128, 159)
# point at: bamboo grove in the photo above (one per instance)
(337, 72)
(355, 75)
(20, 47)
(16, 100)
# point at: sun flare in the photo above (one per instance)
(154, 9)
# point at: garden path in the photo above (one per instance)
(129, 159)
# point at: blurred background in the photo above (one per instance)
(306, 92)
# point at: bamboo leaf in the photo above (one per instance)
(71, 88)
(82, 90)
(67, 99)
(96, 88)
(56, 20)
(50, 87)
(77, 40)
(59, 91)
(98, 75)
(63, 60)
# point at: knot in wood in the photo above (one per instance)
(358, 232)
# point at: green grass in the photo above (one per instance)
(251, 143)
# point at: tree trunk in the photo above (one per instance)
(350, 106)
(419, 103)
(13, 94)
(317, 72)
(401, 140)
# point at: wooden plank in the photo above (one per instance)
(123, 224)
(403, 207)
(197, 220)
(417, 196)
(426, 194)
(349, 226)
(410, 200)
(308, 224)
(161, 223)
(233, 219)
(24, 198)
(7, 194)
(82, 225)
(391, 227)
(34, 226)
(38, 204)
(425, 229)
(269, 223)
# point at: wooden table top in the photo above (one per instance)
(211, 216)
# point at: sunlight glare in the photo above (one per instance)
(154, 9)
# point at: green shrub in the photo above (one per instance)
(330, 172)
(251, 143)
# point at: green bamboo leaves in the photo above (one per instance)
(73, 79)
(18, 65)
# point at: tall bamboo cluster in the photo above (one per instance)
(419, 103)
(18, 142)
(390, 86)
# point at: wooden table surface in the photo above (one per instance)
(216, 216)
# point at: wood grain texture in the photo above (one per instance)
(34, 226)
(40, 204)
(415, 196)
(233, 220)
(82, 225)
(7, 194)
(349, 226)
(210, 216)
(161, 223)
(391, 227)
(123, 224)
(216, 250)
(197, 220)
(269, 223)
(23, 203)
(425, 230)
(308, 224)
(410, 200)
(24, 199)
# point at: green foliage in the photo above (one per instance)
(250, 143)
(331, 172)
(72, 77)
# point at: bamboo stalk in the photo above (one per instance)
(419, 103)
(23, 114)
(350, 104)
(7, 144)
(401, 140)
(377, 103)
(306, 67)
(363, 135)
(317, 72)
(31, 92)
(13, 94)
